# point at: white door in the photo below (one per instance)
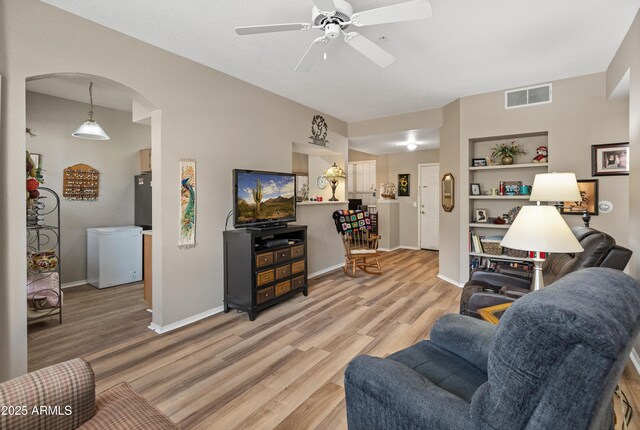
(429, 206)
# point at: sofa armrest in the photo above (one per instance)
(498, 280)
(467, 337)
(57, 397)
(386, 394)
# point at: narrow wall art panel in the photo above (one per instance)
(187, 232)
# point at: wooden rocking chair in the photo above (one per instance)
(360, 244)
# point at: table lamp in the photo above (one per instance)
(540, 229)
(333, 173)
(558, 188)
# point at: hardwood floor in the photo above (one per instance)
(285, 369)
(93, 320)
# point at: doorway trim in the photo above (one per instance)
(420, 201)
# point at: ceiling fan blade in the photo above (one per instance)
(257, 29)
(416, 9)
(313, 53)
(369, 49)
(325, 5)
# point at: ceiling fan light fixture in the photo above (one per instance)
(90, 129)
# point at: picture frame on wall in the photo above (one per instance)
(404, 185)
(589, 192)
(482, 216)
(36, 159)
(610, 159)
(475, 189)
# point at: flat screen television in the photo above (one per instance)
(263, 199)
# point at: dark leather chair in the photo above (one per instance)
(488, 288)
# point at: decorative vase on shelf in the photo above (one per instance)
(506, 160)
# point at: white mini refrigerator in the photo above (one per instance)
(114, 256)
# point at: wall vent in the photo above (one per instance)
(540, 94)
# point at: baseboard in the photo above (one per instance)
(413, 248)
(74, 283)
(170, 327)
(635, 359)
(451, 281)
(327, 270)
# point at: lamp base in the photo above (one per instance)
(538, 282)
(334, 184)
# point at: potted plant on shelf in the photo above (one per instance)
(507, 151)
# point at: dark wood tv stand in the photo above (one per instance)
(257, 275)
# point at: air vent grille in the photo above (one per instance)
(521, 97)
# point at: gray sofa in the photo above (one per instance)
(552, 363)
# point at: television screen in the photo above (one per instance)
(263, 198)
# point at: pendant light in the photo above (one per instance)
(90, 129)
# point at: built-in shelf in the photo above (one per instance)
(504, 257)
(511, 166)
(489, 225)
(499, 197)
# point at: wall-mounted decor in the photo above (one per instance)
(388, 191)
(448, 191)
(187, 228)
(589, 193)
(403, 185)
(319, 131)
(81, 182)
(611, 159)
(36, 160)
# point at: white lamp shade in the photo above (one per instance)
(555, 187)
(542, 229)
(90, 130)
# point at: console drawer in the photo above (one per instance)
(264, 295)
(297, 267)
(264, 277)
(298, 282)
(282, 288)
(282, 255)
(283, 271)
(297, 251)
(264, 259)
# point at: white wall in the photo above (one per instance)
(53, 120)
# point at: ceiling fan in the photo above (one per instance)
(334, 16)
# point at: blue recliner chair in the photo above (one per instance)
(552, 363)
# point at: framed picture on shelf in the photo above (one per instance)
(512, 188)
(475, 189)
(611, 159)
(589, 193)
(478, 162)
(481, 216)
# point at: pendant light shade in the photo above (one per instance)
(90, 129)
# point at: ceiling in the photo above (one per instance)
(467, 47)
(396, 142)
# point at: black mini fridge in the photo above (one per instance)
(142, 217)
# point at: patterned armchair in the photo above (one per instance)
(63, 397)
